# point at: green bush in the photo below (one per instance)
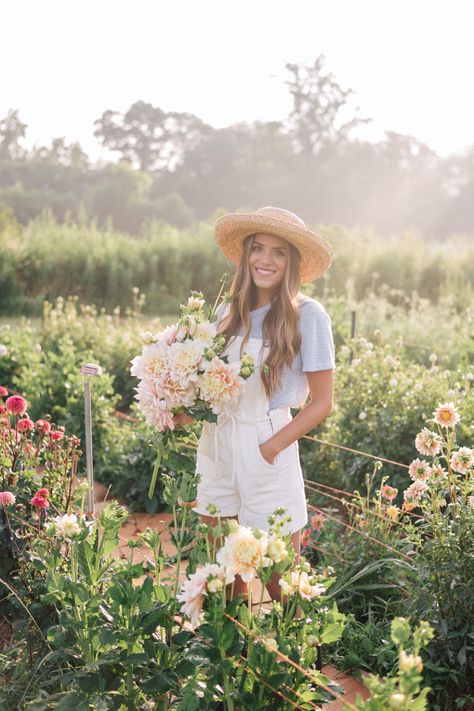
(380, 401)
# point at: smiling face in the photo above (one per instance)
(268, 260)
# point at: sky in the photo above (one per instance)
(410, 63)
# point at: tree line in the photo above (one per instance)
(173, 166)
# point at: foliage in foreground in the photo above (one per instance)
(417, 558)
(110, 633)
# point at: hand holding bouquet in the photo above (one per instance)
(183, 371)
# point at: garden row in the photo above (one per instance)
(47, 259)
(91, 631)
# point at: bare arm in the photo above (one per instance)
(321, 388)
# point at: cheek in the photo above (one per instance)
(281, 263)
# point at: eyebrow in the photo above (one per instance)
(262, 245)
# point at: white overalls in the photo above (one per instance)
(234, 475)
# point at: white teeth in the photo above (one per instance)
(264, 271)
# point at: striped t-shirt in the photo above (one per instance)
(316, 353)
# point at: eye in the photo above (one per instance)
(280, 253)
(255, 247)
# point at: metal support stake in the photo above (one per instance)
(353, 331)
(89, 369)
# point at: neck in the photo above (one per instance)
(263, 297)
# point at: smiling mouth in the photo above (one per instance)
(264, 272)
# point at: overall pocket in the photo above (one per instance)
(263, 431)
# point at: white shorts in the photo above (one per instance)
(240, 482)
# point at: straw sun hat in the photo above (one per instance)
(232, 229)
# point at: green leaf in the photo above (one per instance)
(163, 681)
(37, 563)
(72, 702)
(331, 633)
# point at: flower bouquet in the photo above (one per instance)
(182, 370)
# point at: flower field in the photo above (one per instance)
(385, 588)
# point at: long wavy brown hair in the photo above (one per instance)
(281, 323)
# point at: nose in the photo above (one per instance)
(266, 256)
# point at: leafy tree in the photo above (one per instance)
(317, 103)
(62, 154)
(12, 130)
(240, 166)
(149, 137)
(121, 193)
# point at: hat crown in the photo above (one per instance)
(278, 213)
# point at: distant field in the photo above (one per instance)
(45, 260)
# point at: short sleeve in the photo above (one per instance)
(317, 344)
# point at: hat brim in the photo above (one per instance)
(316, 253)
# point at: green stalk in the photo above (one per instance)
(130, 702)
(155, 474)
(227, 688)
(180, 545)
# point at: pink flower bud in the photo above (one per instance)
(43, 426)
(40, 502)
(7, 498)
(25, 425)
(16, 405)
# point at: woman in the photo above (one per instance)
(248, 462)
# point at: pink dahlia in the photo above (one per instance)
(4, 423)
(446, 415)
(57, 435)
(389, 492)
(415, 491)
(43, 426)
(41, 502)
(16, 405)
(419, 470)
(220, 385)
(427, 442)
(317, 521)
(3, 391)
(42, 492)
(25, 425)
(7, 498)
(75, 441)
(462, 460)
(195, 588)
